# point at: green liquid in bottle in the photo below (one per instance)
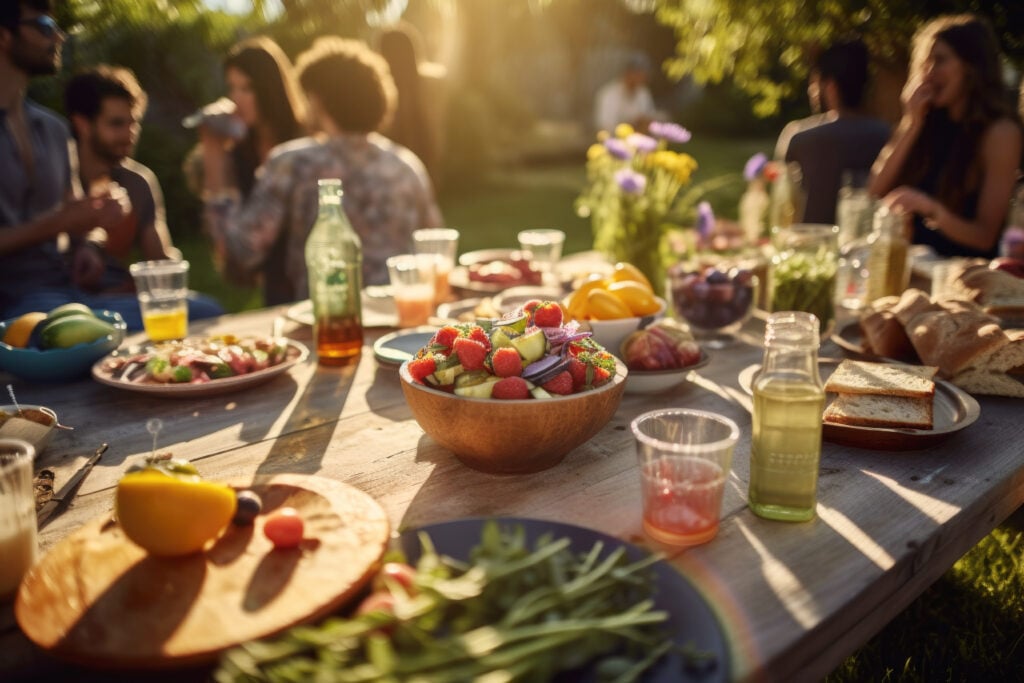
(785, 449)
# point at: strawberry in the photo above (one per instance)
(560, 384)
(471, 353)
(578, 372)
(477, 333)
(421, 367)
(548, 314)
(601, 375)
(444, 338)
(506, 362)
(510, 388)
(530, 306)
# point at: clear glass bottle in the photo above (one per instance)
(334, 266)
(802, 276)
(888, 255)
(787, 197)
(788, 401)
(753, 205)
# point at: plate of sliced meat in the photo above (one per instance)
(199, 366)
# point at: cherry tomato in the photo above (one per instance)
(379, 601)
(284, 528)
(396, 573)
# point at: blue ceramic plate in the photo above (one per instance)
(398, 347)
(690, 618)
(60, 365)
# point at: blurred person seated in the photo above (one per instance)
(954, 158)
(50, 247)
(387, 193)
(264, 109)
(627, 99)
(105, 106)
(418, 121)
(841, 139)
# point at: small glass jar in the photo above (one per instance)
(802, 276)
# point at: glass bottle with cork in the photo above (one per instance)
(888, 254)
(334, 266)
(786, 426)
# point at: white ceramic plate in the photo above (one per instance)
(378, 311)
(658, 381)
(297, 353)
(953, 409)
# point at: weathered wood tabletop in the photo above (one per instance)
(793, 599)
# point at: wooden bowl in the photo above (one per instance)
(513, 437)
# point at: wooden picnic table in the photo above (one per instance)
(793, 599)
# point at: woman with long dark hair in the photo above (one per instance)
(953, 160)
(261, 84)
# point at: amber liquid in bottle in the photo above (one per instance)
(338, 339)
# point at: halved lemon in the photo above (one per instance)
(20, 330)
(171, 515)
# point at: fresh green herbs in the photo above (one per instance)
(513, 613)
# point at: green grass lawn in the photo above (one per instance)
(969, 626)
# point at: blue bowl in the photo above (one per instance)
(60, 365)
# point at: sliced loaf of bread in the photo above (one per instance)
(867, 410)
(886, 379)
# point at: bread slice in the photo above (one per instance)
(989, 383)
(866, 410)
(883, 379)
(912, 303)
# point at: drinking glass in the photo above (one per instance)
(684, 460)
(545, 248)
(18, 544)
(443, 245)
(162, 288)
(412, 285)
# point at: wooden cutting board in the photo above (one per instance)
(98, 599)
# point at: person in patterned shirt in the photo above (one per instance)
(387, 192)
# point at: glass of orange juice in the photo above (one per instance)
(162, 288)
(684, 461)
(18, 545)
(412, 286)
(443, 244)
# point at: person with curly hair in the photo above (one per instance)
(387, 192)
(953, 160)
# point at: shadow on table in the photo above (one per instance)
(385, 391)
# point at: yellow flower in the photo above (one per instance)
(596, 151)
(602, 135)
(623, 131)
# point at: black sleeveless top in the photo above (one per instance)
(948, 131)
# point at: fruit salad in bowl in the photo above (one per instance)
(514, 394)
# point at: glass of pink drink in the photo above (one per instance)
(684, 458)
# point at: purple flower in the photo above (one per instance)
(630, 181)
(672, 132)
(618, 149)
(705, 220)
(642, 143)
(754, 166)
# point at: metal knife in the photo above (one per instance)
(60, 500)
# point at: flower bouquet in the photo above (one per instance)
(635, 194)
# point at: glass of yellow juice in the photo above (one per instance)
(443, 244)
(162, 288)
(412, 286)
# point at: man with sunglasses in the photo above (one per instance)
(39, 210)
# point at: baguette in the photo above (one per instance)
(866, 410)
(883, 379)
(885, 336)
